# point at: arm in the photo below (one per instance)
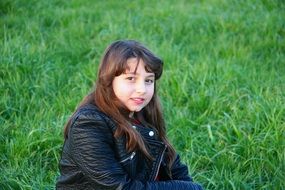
(180, 171)
(92, 151)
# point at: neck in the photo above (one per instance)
(131, 115)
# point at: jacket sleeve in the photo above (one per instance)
(179, 170)
(92, 151)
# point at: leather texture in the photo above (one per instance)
(93, 159)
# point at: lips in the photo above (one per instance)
(138, 101)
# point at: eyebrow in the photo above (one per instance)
(148, 75)
(151, 75)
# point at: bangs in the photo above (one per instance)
(122, 63)
(153, 65)
(154, 68)
(150, 67)
(123, 51)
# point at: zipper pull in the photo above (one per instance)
(132, 155)
(129, 158)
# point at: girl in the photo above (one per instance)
(116, 138)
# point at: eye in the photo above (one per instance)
(130, 78)
(149, 81)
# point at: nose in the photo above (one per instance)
(140, 87)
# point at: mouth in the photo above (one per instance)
(138, 101)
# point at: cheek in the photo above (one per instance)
(151, 90)
(120, 89)
(116, 87)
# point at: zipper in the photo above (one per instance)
(159, 163)
(129, 158)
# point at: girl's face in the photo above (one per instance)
(135, 87)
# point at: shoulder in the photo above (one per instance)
(93, 113)
(89, 116)
(89, 111)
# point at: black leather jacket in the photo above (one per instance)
(93, 159)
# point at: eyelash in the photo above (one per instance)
(147, 80)
(130, 78)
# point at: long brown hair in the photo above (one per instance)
(114, 63)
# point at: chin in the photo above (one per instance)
(136, 109)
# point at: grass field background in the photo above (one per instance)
(223, 86)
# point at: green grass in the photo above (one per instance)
(223, 87)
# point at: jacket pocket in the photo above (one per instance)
(129, 163)
(129, 157)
